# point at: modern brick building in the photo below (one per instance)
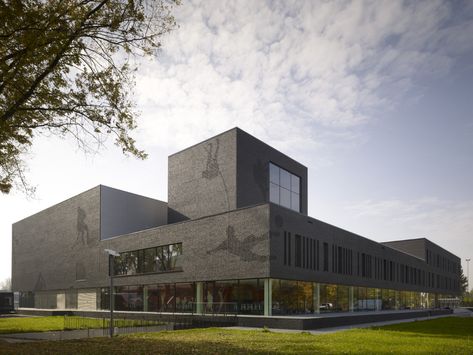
(234, 235)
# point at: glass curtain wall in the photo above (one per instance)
(296, 297)
(128, 298)
(251, 296)
(328, 298)
(247, 297)
(342, 298)
(103, 301)
(185, 297)
(388, 299)
(242, 296)
(221, 296)
(152, 298)
(166, 298)
(292, 297)
(170, 297)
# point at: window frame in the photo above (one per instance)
(292, 193)
(168, 263)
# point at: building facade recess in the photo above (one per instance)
(233, 236)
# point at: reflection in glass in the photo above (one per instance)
(224, 296)
(153, 298)
(149, 260)
(185, 294)
(161, 259)
(247, 297)
(284, 188)
(131, 263)
(274, 174)
(166, 298)
(285, 179)
(128, 298)
(295, 184)
(104, 298)
(328, 298)
(342, 298)
(388, 298)
(292, 297)
(371, 299)
(285, 198)
(251, 296)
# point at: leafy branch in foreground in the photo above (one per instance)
(66, 68)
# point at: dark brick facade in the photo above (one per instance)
(284, 220)
(219, 210)
(229, 245)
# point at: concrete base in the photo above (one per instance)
(178, 319)
(334, 320)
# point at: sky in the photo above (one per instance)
(374, 97)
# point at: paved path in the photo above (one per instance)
(77, 334)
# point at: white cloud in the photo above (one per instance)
(284, 69)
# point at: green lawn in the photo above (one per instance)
(33, 324)
(44, 324)
(440, 336)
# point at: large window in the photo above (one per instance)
(242, 296)
(160, 259)
(185, 297)
(284, 188)
(292, 297)
(128, 298)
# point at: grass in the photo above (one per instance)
(55, 323)
(30, 324)
(439, 336)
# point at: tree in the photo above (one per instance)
(67, 68)
(468, 299)
(463, 282)
(5, 285)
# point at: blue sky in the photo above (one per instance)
(375, 98)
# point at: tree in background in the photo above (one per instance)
(463, 282)
(5, 285)
(467, 299)
(467, 295)
(66, 68)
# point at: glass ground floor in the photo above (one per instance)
(246, 296)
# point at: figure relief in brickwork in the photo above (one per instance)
(260, 177)
(242, 248)
(82, 228)
(212, 169)
(40, 283)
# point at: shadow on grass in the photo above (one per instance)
(126, 345)
(451, 327)
(443, 336)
